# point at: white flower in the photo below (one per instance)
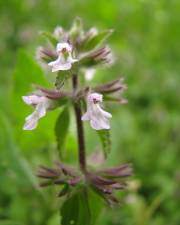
(89, 73)
(99, 119)
(41, 104)
(58, 32)
(64, 60)
(93, 31)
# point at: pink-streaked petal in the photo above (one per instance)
(31, 99)
(106, 125)
(30, 124)
(85, 116)
(95, 97)
(65, 45)
(40, 110)
(106, 114)
(62, 67)
(100, 124)
(58, 65)
(58, 31)
(95, 125)
(54, 63)
(89, 73)
(27, 100)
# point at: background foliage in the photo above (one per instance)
(145, 132)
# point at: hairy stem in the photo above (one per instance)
(80, 130)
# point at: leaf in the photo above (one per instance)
(10, 154)
(61, 78)
(104, 136)
(61, 128)
(75, 210)
(27, 72)
(70, 210)
(64, 191)
(96, 40)
(50, 37)
(76, 28)
(96, 204)
(8, 222)
(88, 62)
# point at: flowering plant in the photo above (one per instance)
(72, 56)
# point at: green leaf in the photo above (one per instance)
(76, 28)
(10, 156)
(70, 210)
(26, 73)
(64, 190)
(88, 62)
(8, 222)
(61, 78)
(50, 37)
(96, 204)
(75, 210)
(96, 40)
(61, 128)
(104, 136)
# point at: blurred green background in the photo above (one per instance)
(146, 132)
